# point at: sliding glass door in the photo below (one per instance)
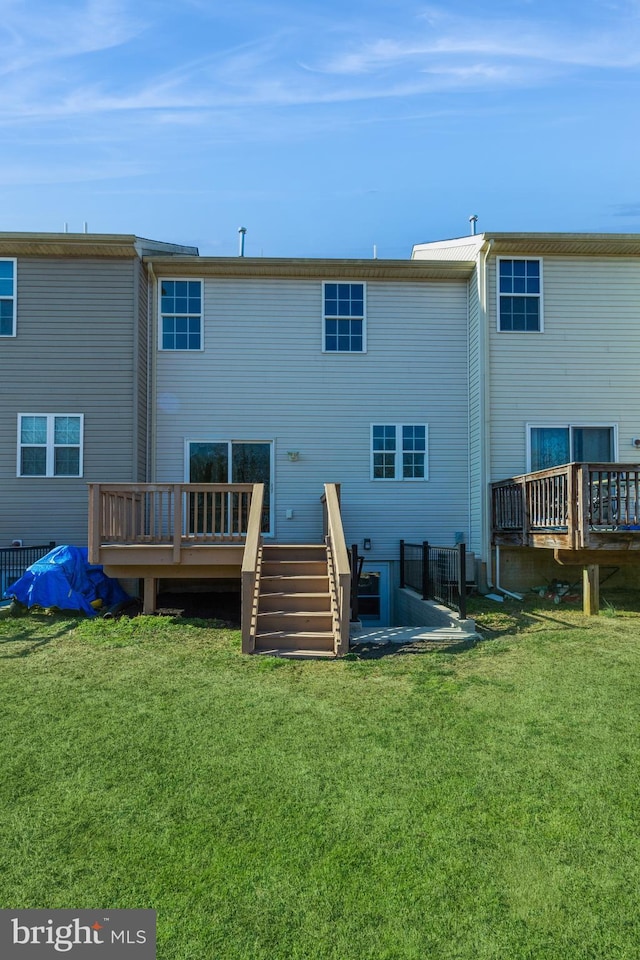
(232, 461)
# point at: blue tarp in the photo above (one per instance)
(64, 578)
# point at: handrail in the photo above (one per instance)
(341, 571)
(250, 565)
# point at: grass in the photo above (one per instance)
(480, 804)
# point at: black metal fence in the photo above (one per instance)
(436, 573)
(15, 560)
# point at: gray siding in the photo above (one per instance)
(263, 376)
(584, 367)
(74, 353)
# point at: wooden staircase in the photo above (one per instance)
(294, 615)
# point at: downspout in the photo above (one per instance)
(485, 439)
(151, 376)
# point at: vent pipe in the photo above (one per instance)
(243, 232)
(473, 219)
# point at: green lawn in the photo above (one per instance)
(478, 804)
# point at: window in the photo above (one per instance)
(519, 296)
(344, 318)
(232, 461)
(50, 445)
(181, 314)
(555, 445)
(7, 298)
(399, 451)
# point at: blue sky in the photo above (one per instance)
(323, 127)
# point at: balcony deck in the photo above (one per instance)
(577, 509)
(154, 530)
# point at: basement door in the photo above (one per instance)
(233, 461)
(373, 595)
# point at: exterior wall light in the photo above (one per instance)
(366, 543)
(293, 455)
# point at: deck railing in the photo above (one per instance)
(250, 576)
(568, 505)
(175, 514)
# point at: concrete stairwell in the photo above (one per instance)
(294, 616)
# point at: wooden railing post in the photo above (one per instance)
(95, 532)
(177, 521)
(524, 496)
(401, 564)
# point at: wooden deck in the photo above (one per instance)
(587, 513)
(168, 530)
(577, 509)
(158, 531)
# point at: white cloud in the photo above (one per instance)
(36, 33)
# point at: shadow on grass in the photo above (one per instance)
(29, 630)
(378, 651)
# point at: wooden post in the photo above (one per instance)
(402, 563)
(149, 601)
(177, 522)
(591, 590)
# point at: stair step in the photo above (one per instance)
(282, 600)
(294, 584)
(286, 640)
(294, 551)
(293, 568)
(295, 620)
(296, 654)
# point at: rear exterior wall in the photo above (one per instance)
(263, 376)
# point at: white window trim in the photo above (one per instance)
(543, 425)
(398, 478)
(270, 493)
(538, 296)
(50, 448)
(199, 280)
(14, 298)
(346, 353)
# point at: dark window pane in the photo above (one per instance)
(66, 462)
(33, 462)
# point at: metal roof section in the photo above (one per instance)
(315, 269)
(86, 245)
(539, 244)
